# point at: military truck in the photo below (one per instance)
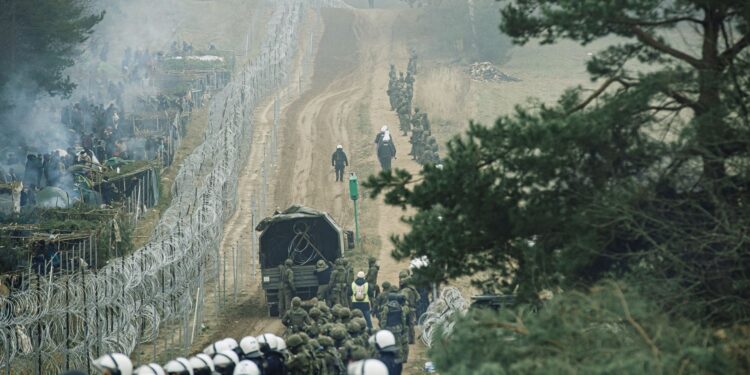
(303, 234)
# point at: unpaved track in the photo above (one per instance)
(345, 104)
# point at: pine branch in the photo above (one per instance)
(652, 42)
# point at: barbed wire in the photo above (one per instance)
(441, 313)
(62, 322)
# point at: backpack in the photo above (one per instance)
(359, 293)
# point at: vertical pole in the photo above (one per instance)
(356, 222)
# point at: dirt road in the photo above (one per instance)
(345, 103)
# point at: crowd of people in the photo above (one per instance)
(330, 334)
(424, 146)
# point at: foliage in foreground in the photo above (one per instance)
(608, 330)
(646, 177)
(40, 40)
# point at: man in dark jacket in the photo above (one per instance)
(386, 151)
(339, 162)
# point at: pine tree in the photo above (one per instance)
(644, 178)
(40, 40)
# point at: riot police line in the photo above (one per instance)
(321, 338)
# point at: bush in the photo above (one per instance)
(610, 329)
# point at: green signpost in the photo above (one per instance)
(354, 195)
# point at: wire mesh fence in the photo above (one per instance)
(63, 321)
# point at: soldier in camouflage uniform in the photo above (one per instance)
(286, 287)
(300, 361)
(341, 343)
(412, 66)
(372, 275)
(330, 357)
(404, 117)
(345, 315)
(381, 299)
(412, 301)
(338, 283)
(394, 317)
(296, 319)
(314, 328)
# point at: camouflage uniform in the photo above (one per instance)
(394, 318)
(286, 287)
(381, 299)
(300, 361)
(404, 119)
(372, 275)
(338, 284)
(296, 319)
(330, 358)
(315, 327)
(412, 301)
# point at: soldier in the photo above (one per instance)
(299, 362)
(393, 318)
(338, 281)
(323, 274)
(409, 78)
(412, 302)
(286, 287)
(330, 357)
(372, 275)
(316, 325)
(345, 315)
(404, 118)
(381, 299)
(416, 143)
(317, 354)
(412, 67)
(349, 271)
(339, 336)
(296, 319)
(425, 122)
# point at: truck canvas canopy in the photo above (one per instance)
(302, 233)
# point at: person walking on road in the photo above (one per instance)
(361, 294)
(339, 161)
(386, 151)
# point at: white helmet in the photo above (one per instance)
(367, 367)
(246, 368)
(280, 344)
(339, 147)
(217, 347)
(385, 341)
(250, 346)
(231, 343)
(179, 366)
(268, 339)
(384, 129)
(116, 363)
(225, 359)
(202, 361)
(149, 369)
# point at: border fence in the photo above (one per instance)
(62, 322)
